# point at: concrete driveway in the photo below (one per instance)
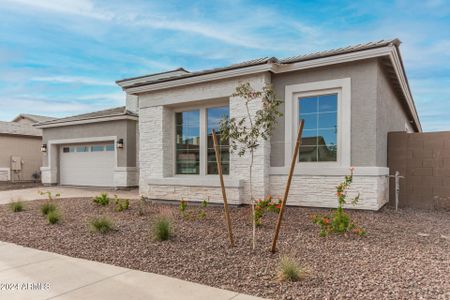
(66, 192)
(27, 273)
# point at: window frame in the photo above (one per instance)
(203, 126)
(341, 87)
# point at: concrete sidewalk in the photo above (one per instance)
(27, 273)
(66, 192)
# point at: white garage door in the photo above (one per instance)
(87, 164)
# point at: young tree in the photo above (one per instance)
(246, 133)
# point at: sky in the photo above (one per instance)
(60, 58)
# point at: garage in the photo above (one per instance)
(87, 164)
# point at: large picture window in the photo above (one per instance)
(194, 143)
(188, 142)
(214, 115)
(319, 140)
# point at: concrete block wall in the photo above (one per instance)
(424, 160)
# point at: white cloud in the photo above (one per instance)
(74, 79)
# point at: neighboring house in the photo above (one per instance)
(20, 143)
(94, 149)
(350, 98)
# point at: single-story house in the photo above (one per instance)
(20, 143)
(350, 98)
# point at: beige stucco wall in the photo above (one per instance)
(125, 129)
(363, 76)
(391, 115)
(27, 147)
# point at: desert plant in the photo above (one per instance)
(53, 217)
(203, 206)
(102, 199)
(141, 208)
(268, 204)
(121, 204)
(49, 194)
(289, 270)
(16, 206)
(245, 134)
(182, 207)
(102, 225)
(47, 207)
(162, 228)
(339, 221)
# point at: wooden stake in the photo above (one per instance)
(288, 185)
(222, 184)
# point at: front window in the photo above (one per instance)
(319, 139)
(194, 146)
(188, 142)
(215, 114)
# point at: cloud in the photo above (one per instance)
(74, 79)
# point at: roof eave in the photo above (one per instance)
(114, 117)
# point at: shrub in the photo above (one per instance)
(47, 207)
(103, 199)
(102, 225)
(50, 196)
(268, 204)
(162, 229)
(339, 221)
(202, 212)
(289, 270)
(53, 217)
(182, 207)
(16, 206)
(121, 204)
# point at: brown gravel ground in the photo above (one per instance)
(5, 186)
(392, 262)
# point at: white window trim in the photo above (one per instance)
(292, 92)
(203, 139)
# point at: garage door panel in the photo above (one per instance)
(87, 168)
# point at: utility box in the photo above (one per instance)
(16, 163)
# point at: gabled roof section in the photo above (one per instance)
(33, 118)
(19, 129)
(107, 114)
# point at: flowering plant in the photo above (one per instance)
(268, 204)
(339, 221)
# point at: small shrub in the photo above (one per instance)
(162, 229)
(202, 212)
(103, 199)
(141, 209)
(289, 270)
(182, 207)
(53, 217)
(121, 204)
(102, 225)
(339, 221)
(47, 207)
(268, 204)
(16, 206)
(50, 196)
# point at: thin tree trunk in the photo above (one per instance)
(251, 183)
(253, 203)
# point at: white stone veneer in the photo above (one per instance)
(320, 191)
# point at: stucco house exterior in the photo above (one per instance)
(350, 98)
(20, 144)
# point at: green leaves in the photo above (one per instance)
(245, 133)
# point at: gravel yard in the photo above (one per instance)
(406, 255)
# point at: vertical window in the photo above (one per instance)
(319, 140)
(187, 142)
(214, 115)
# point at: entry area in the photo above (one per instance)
(87, 164)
